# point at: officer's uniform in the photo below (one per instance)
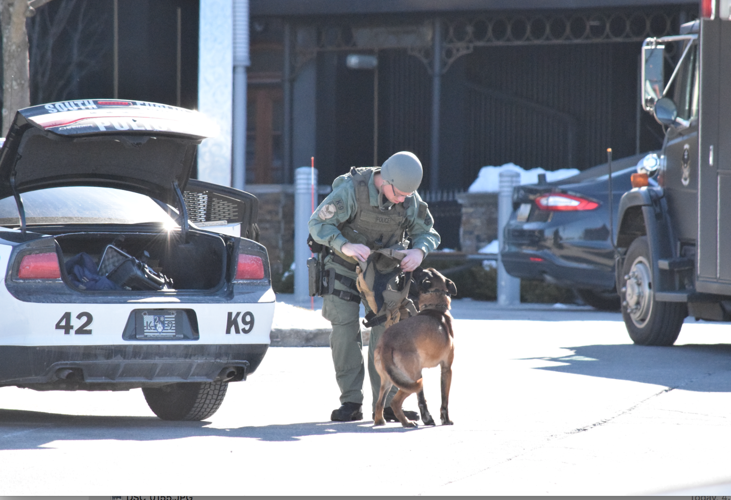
(351, 213)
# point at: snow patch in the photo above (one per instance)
(488, 179)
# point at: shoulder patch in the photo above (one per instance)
(422, 210)
(339, 205)
(327, 211)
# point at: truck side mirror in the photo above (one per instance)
(653, 74)
(665, 112)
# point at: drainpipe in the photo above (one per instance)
(241, 61)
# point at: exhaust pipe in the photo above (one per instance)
(234, 373)
(70, 374)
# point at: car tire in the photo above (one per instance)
(186, 401)
(604, 301)
(648, 322)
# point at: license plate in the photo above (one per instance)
(157, 324)
(523, 212)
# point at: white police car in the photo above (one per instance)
(120, 271)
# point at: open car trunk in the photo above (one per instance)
(143, 261)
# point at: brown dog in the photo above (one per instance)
(422, 341)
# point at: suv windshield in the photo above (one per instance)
(83, 205)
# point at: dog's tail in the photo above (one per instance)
(399, 379)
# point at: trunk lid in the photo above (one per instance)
(138, 146)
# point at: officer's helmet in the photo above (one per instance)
(403, 171)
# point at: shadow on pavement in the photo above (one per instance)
(685, 366)
(24, 430)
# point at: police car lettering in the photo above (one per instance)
(247, 322)
(127, 124)
(154, 105)
(70, 106)
(65, 323)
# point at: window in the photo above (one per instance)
(686, 86)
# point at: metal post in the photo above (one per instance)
(115, 92)
(375, 113)
(436, 104)
(287, 102)
(305, 179)
(508, 288)
(241, 61)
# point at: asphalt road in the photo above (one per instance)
(545, 401)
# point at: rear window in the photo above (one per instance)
(83, 205)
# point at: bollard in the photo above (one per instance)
(305, 188)
(508, 287)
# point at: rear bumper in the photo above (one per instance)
(122, 367)
(551, 269)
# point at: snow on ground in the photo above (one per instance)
(488, 179)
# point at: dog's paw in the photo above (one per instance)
(379, 423)
(447, 422)
(409, 424)
(428, 420)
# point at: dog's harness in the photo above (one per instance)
(385, 287)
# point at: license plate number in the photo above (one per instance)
(523, 212)
(158, 324)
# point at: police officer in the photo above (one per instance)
(369, 208)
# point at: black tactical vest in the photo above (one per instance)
(370, 225)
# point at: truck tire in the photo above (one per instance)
(186, 401)
(603, 301)
(648, 322)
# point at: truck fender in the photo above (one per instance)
(643, 212)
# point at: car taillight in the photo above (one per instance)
(560, 202)
(39, 266)
(249, 267)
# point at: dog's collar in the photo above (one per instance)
(438, 307)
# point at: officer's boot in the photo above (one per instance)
(348, 412)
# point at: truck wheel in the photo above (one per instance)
(604, 301)
(648, 322)
(186, 401)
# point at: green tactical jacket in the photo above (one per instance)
(333, 215)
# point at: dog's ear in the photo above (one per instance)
(416, 274)
(451, 288)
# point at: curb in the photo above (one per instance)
(301, 337)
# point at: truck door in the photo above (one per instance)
(714, 197)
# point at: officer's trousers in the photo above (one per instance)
(346, 345)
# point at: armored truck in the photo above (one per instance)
(673, 237)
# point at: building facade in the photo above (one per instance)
(463, 84)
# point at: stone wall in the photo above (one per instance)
(479, 220)
(276, 222)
